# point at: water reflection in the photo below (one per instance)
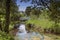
(22, 28)
(23, 35)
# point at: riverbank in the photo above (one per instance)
(51, 36)
(47, 36)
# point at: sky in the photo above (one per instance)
(23, 5)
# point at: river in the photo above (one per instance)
(23, 35)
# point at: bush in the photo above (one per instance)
(4, 36)
(57, 29)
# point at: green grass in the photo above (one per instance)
(45, 23)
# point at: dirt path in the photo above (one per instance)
(47, 38)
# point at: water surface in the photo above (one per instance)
(23, 35)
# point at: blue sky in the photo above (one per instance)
(23, 5)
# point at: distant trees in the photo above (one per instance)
(53, 7)
(28, 10)
(32, 11)
(36, 12)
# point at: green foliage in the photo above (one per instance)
(56, 29)
(28, 10)
(32, 11)
(36, 12)
(55, 14)
(7, 11)
(39, 17)
(44, 23)
(4, 36)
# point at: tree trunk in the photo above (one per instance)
(6, 29)
(56, 26)
(0, 26)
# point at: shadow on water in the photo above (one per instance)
(23, 35)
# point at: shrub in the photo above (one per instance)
(4, 36)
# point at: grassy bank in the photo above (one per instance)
(44, 23)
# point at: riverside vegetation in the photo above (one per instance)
(44, 15)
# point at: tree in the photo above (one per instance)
(2, 7)
(28, 10)
(55, 13)
(35, 12)
(2, 13)
(54, 6)
(6, 29)
(0, 26)
(38, 5)
(13, 9)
